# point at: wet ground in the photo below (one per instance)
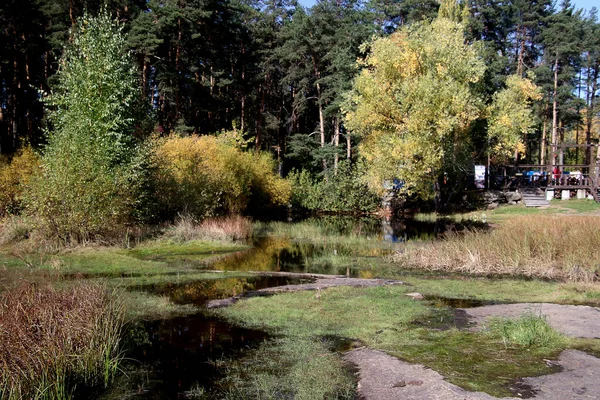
(177, 357)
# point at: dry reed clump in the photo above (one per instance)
(52, 340)
(14, 229)
(551, 247)
(228, 229)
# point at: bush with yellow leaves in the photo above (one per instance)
(14, 178)
(205, 175)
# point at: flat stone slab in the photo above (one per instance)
(383, 377)
(580, 378)
(321, 282)
(574, 321)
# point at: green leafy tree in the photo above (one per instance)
(90, 166)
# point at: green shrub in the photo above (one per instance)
(88, 188)
(344, 192)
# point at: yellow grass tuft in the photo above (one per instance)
(551, 247)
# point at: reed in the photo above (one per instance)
(550, 247)
(52, 341)
(226, 229)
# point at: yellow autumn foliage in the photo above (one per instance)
(204, 175)
(414, 102)
(14, 177)
(510, 117)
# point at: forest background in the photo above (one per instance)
(277, 75)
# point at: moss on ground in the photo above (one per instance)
(384, 318)
(289, 367)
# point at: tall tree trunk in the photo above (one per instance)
(590, 112)
(261, 110)
(520, 50)
(320, 105)
(336, 143)
(348, 147)
(178, 69)
(554, 115)
(544, 138)
(71, 16)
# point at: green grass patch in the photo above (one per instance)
(576, 206)
(383, 318)
(527, 331)
(301, 368)
(505, 290)
(147, 306)
(170, 250)
(343, 311)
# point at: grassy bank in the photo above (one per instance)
(385, 319)
(53, 340)
(549, 247)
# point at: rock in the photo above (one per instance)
(512, 203)
(415, 383)
(493, 196)
(513, 196)
(399, 384)
(493, 206)
(415, 296)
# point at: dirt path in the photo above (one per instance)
(383, 377)
(320, 282)
(575, 321)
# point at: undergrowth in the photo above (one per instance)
(54, 340)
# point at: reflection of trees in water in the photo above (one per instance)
(260, 258)
(199, 292)
(347, 225)
(402, 230)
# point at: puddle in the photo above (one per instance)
(175, 355)
(440, 301)
(201, 291)
(522, 390)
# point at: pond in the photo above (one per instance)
(182, 357)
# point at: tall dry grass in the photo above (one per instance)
(52, 340)
(227, 229)
(553, 247)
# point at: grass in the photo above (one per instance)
(147, 306)
(549, 247)
(300, 368)
(527, 331)
(51, 340)
(232, 228)
(383, 318)
(329, 232)
(506, 290)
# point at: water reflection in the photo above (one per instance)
(177, 354)
(201, 291)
